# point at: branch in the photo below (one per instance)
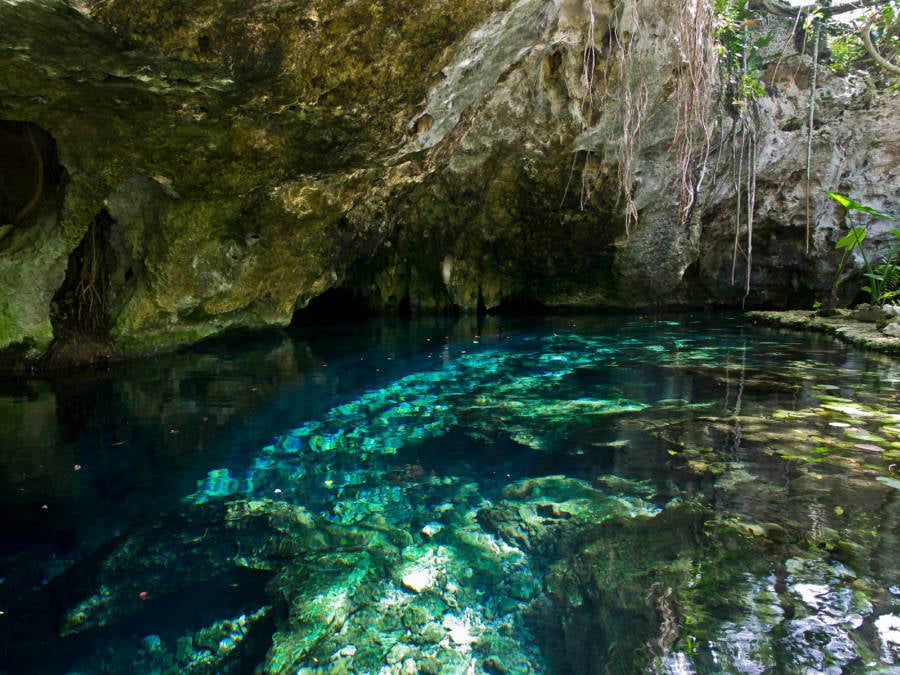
(783, 9)
(867, 41)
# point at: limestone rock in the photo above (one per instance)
(427, 155)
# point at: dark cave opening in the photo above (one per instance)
(79, 312)
(335, 304)
(29, 170)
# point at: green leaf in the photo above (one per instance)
(852, 238)
(853, 205)
(896, 233)
(764, 40)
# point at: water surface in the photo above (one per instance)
(549, 495)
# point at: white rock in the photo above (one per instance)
(459, 629)
(892, 329)
(431, 529)
(418, 580)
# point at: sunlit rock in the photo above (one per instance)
(545, 515)
(418, 580)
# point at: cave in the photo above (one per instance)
(29, 170)
(79, 312)
(335, 304)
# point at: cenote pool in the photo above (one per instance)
(581, 494)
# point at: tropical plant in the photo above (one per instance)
(739, 49)
(870, 43)
(884, 279)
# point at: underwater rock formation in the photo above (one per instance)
(247, 158)
(745, 520)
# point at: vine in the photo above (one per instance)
(888, 13)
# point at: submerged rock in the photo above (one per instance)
(735, 524)
(686, 586)
(547, 516)
(209, 548)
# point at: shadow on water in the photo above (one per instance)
(573, 494)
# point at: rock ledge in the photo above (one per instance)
(843, 325)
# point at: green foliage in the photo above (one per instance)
(852, 239)
(884, 280)
(815, 14)
(853, 205)
(739, 50)
(750, 89)
(847, 51)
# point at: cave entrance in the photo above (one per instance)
(79, 312)
(335, 304)
(29, 170)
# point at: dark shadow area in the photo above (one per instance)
(29, 170)
(79, 310)
(335, 304)
(176, 585)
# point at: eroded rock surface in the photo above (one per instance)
(249, 158)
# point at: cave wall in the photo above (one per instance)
(423, 155)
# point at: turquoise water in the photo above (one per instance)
(589, 494)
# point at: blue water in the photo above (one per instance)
(527, 495)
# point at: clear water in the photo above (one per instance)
(589, 494)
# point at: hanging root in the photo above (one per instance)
(588, 68)
(695, 125)
(809, 132)
(751, 206)
(694, 130)
(90, 289)
(633, 102)
(586, 109)
(744, 143)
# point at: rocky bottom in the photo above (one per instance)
(576, 504)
